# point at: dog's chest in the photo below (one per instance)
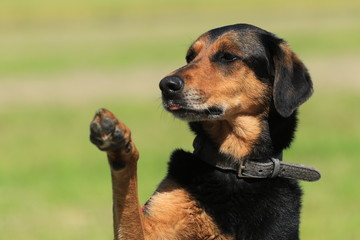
(239, 207)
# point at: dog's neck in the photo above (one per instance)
(237, 137)
(251, 136)
(244, 146)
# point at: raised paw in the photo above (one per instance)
(108, 133)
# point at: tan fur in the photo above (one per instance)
(235, 137)
(171, 214)
(290, 57)
(128, 220)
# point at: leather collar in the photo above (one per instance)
(253, 168)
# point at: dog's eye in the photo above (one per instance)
(225, 57)
(190, 56)
(228, 57)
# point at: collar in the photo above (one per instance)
(253, 168)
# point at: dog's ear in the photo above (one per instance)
(292, 82)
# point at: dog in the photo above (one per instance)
(239, 92)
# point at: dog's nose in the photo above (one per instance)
(171, 85)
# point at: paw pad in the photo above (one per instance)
(105, 131)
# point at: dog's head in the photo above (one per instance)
(236, 70)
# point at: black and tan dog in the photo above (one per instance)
(239, 91)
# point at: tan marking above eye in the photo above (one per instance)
(198, 46)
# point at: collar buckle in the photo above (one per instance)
(240, 172)
(249, 170)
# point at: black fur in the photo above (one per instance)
(247, 209)
(281, 129)
(292, 83)
(256, 209)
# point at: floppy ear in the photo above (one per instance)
(292, 83)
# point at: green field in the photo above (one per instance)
(61, 61)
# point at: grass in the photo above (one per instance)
(121, 53)
(57, 37)
(328, 138)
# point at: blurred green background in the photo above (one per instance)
(62, 60)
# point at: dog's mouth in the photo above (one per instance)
(193, 112)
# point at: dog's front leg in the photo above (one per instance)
(112, 136)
